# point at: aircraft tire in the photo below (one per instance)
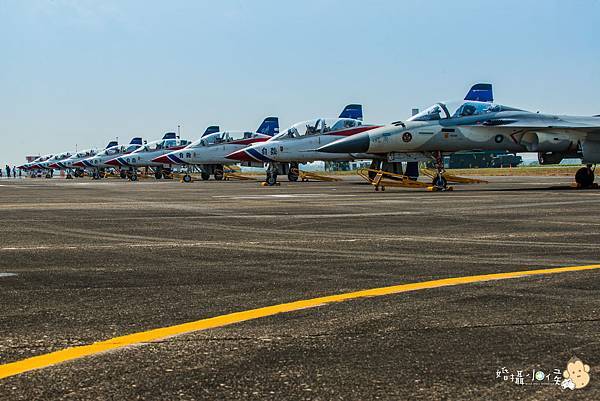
(158, 175)
(440, 182)
(219, 174)
(205, 176)
(271, 179)
(584, 177)
(123, 174)
(187, 178)
(133, 177)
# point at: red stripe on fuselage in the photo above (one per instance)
(353, 131)
(247, 141)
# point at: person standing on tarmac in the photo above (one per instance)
(7, 171)
(14, 172)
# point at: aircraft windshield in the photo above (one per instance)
(459, 109)
(222, 137)
(114, 150)
(317, 126)
(435, 112)
(85, 153)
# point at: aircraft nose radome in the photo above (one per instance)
(353, 144)
(162, 159)
(240, 155)
(113, 162)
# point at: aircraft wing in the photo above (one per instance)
(588, 125)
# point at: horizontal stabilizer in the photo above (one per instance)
(270, 126)
(211, 130)
(481, 93)
(111, 144)
(136, 141)
(170, 135)
(352, 111)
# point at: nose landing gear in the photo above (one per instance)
(439, 182)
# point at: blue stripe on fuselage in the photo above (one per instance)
(257, 155)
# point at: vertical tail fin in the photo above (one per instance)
(270, 126)
(111, 144)
(352, 111)
(136, 141)
(481, 93)
(170, 135)
(211, 130)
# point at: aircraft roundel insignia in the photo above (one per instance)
(407, 137)
(499, 138)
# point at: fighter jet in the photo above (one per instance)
(35, 164)
(44, 166)
(97, 164)
(478, 123)
(143, 156)
(297, 144)
(210, 151)
(68, 164)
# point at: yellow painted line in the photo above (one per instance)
(68, 354)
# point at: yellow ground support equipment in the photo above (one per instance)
(307, 176)
(380, 179)
(236, 176)
(453, 178)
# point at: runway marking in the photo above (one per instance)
(8, 274)
(69, 354)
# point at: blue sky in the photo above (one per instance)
(83, 72)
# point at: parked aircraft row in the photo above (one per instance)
(475, 123)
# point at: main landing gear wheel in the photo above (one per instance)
(96, 176)
(219, 174)
(271, 179)
(205, 176)
(440, 183)
(69, 176)
(158, 175)
(294, 172)
(123, 174)
(585, 177)
(133, 177)
(187, 178)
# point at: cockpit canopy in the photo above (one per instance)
(223, 137)
(113, 150)
(444, 110)
(318, 126)
(62, 156)
(162, 144)
(85, 153)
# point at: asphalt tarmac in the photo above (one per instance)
(84, 261)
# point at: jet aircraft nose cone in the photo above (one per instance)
(113, 162)
(162, 159)
(240, 155)
(358, 143)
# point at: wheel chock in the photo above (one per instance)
(264, 184)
